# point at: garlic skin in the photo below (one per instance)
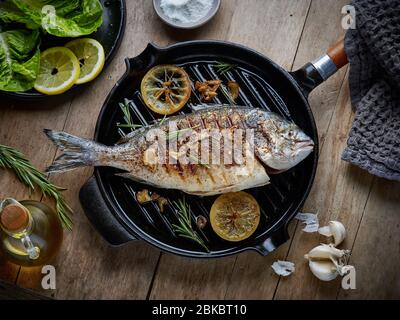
(310, 220)
(283, 268)
(334, 229)
(323, 270)
(326, 252)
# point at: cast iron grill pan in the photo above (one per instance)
(263, 85)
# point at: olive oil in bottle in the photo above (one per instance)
(30, 232)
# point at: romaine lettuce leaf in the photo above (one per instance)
(10, 13)
(72, 18)
(19, 59)
(84, 21)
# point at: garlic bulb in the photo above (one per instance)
(326, 252)
(323, 270)
(334, 229)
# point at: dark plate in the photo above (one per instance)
(110, 35)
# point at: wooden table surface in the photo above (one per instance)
(291, 32)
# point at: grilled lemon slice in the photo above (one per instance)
(90, 54)
(166, 89)
(235, 216)
(59, 70)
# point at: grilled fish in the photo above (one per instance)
(198, 153)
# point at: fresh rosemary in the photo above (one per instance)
(162, 120)
(11, 158)
(128, 117)
(174, 135)
(198, 162)
(185, 229)
(223, 67)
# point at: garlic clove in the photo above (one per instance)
(323, 270)
(325, 231)
(334, 229)
(325, 252)
(338, 232)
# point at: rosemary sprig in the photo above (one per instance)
(11, 158)
(185, 229)
(130, 126)
(223, 67)
(162, 120)
(174, 135)
(198, 162)
(127, 115)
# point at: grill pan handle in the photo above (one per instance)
(100, 215)
(314, 73)
(144, 60)
(279, 237)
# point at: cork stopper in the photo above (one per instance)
(14, 218)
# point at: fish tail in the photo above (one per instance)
(77, 152)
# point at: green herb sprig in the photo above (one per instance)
(161, 122)
(175, 135)
(223, 67)
(13, 159)
(127, 115)
(185, 229)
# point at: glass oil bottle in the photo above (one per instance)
(30, 232)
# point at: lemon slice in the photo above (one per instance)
(90, 54)
(166, 89)
(235, 216)
(58, 72)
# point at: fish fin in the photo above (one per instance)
(125, 175)
(77, 152)
(130, 136)
(204, 106)
(130, 176)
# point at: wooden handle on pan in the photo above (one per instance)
(338, 54)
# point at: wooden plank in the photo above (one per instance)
(322, 30)
(376, 252)
(87, 267)
(253, 278)
(12, 292)
(339, 193)
(21, 127)
(257, 24)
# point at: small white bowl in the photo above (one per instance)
(213, 11)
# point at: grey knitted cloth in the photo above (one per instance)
(373, 49)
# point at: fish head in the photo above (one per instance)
(281, 144)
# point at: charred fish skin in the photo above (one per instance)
(276, 144)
